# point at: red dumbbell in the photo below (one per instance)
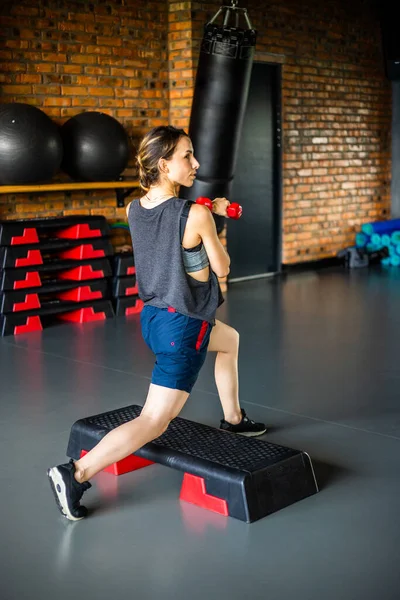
(205, 201)
(234, 210)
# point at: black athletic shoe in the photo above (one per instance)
(67, 491)
(245, 427)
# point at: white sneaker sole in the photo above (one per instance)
(58, 487)
(246, 433)
(252, 433)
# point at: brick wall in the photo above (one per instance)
(68, 57)
(336, 116)
(181, 62)
(136, 60)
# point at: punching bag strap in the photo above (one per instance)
(184, 218)
(233, 11)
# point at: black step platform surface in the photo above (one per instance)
(254, 477)
(37, 254)
(31, 231)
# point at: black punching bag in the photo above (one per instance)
(219, 103)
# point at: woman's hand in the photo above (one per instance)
(219, 206)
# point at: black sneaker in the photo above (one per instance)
(245, 427)
(67, 491)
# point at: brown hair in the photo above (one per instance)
(159, 142)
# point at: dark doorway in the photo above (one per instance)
(254, 240)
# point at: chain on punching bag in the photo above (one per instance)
(219, 103)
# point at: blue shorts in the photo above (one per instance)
(179, 343)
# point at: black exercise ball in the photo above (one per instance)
(96, 147)
(30, 145)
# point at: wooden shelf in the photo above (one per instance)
(54, 187)
(122, 188)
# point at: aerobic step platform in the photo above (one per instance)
(32, 231)
(241, 477)
(123, 264)
(39, 254)
(38, 275)
(21, 300)
(37, 319)
(124, 286)
(128, 305)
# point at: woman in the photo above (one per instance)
(178, 257)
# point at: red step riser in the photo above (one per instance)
(32, 324)
(80, 295)
(132, 291)
(31, 301)
(32, 279)
(78, 232)
(134, 310)
(81, 274)
(82, 315)
(194, 491)
(33, 257)
(82, 253)
(29, 236)
(126, 465)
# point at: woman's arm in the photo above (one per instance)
(200, 220)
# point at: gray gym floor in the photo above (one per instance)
(320, 362)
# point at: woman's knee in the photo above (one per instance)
(163, 425)
(224, 338)
(236, 342)
(157, 425)
(233, 339)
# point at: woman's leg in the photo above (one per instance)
(161, 406)
(225, 341)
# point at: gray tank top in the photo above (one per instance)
(160, 270)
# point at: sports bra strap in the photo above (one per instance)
(184, 218)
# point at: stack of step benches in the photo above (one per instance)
(124, 287)
(52, 269)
